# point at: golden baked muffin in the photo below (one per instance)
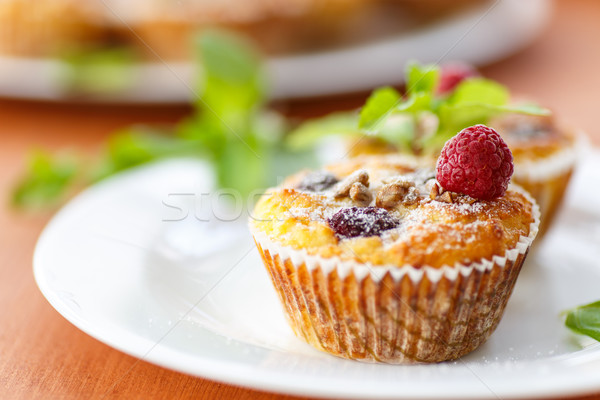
(374, 260)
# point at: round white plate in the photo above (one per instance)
(484, 35)
(149, 263)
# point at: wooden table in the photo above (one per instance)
(44, 356)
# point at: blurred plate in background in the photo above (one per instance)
(479, 36)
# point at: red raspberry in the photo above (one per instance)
(476, 162)
(453, 74)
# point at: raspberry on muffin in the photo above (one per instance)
(476, 162)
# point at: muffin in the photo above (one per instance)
(545, 155)
(43, 28)
(300, 25)
(151, 28)
(373, 260)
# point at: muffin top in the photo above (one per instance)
(532, 137)
(389, 211)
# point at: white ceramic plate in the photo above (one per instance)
(479, 37)
(141, 263)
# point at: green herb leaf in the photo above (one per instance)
(415, 103)
(379, 105)
(480, 91)
(46, 180)
(232, 80)
(228, 127)
(309, 133)
(585, 320)
(421, 78)
(239, 168)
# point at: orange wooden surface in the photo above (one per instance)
(44, 356)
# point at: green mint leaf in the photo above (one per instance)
(208, 134)
(232, 78)
(455, 117)
(46, 180)
(238, 166)
(415, 103)
(421, 78)
(310, 132)
(479, 90)
(585, 320)
(229, 127)
(378, 106)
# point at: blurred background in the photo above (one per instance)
(73, 73)
(144, 52)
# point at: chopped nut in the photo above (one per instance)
(468, 200)
(412, 196)
(404, 183)
(392, 193)
(435, 191)
(446, 197)
(360, 194)
(343, 187)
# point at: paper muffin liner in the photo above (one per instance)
(393, 314)
(546, 180)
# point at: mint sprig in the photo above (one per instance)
(585, 320)
(398, 119)
(230, 127)
(473, 101)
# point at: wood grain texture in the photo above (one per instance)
(44, 356)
